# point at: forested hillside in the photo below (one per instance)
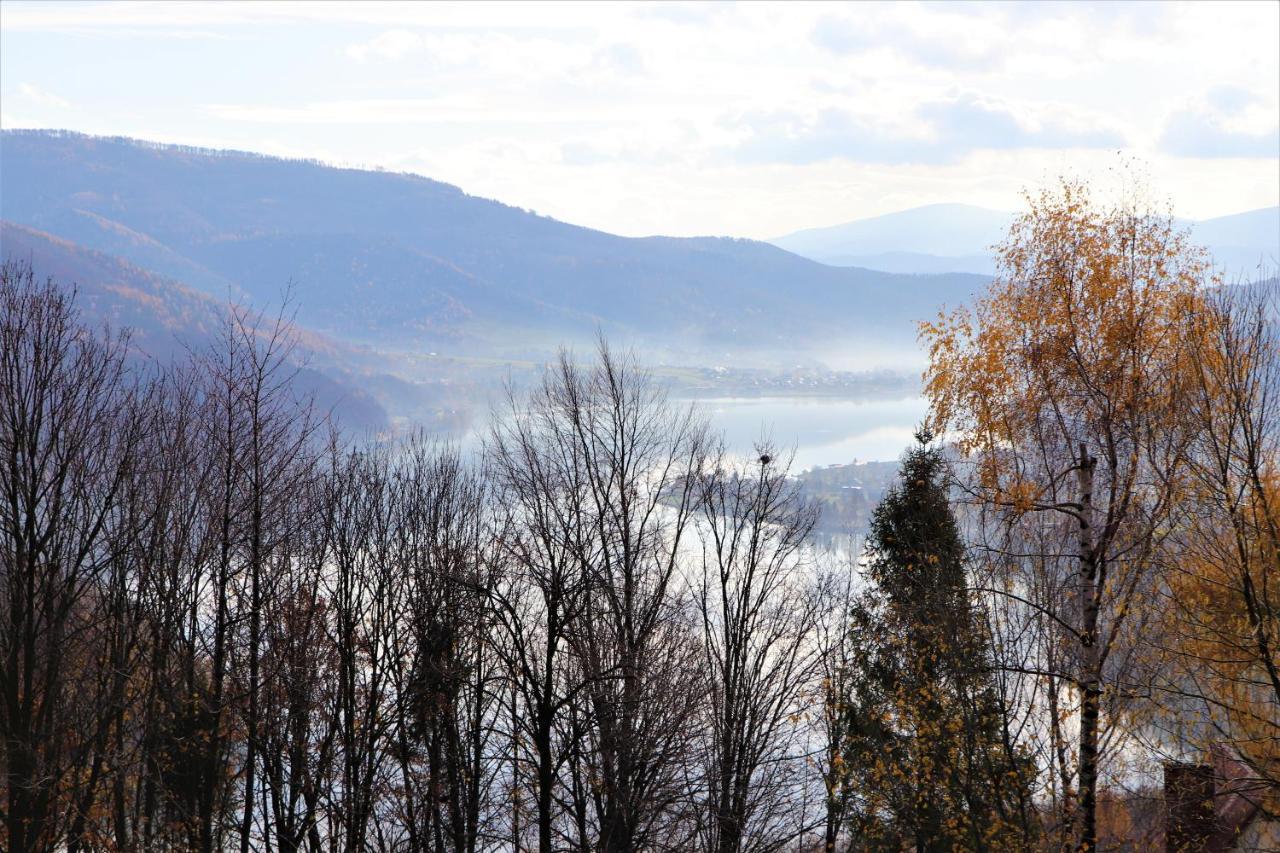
(396, 259)
(167, 320)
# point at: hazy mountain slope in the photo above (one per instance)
(400, 259)
(165, 316)
(936, 229)
(957, 237)
(1259, 227)
(916, 263)
(167, 319)
(1242, 242)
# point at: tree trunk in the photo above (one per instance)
(255, 624)
(1091, 678)
(546, 778)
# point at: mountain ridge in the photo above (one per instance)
(392, 259)
(957, 237)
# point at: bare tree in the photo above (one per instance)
(447, 686)
(596, 472)
(837, 584)
(759, 611)
(539, 596)
(174, 708)
(638, 458)
(70, 430)
(259, 435)
(363, 588)
(297, 732)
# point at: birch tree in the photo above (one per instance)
(1064, 387)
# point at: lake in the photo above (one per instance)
(824, 431)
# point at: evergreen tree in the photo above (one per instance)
(930, 766)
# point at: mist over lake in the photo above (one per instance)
(822, 431)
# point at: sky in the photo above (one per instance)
(742, 119)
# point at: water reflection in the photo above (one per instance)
(824, 431)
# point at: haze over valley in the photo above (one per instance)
(415, 295)
(416, 302)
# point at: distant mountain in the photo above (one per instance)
(399, 260)
(916, 263)
(945, 230)
(1242, 242)
(1259, 227)
(167, 319)
(957, 238)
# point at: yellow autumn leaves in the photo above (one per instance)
(1108, 335)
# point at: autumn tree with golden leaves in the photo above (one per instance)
(1224, 586)
(1064, 389)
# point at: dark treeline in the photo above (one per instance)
(224, 625)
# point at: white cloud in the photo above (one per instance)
(36, 95)
(619, 59)
(392, 45)
(136, 15)
(452, 109)
(940, 40)
(614, 115)
(938, 132)
(1227, 122)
